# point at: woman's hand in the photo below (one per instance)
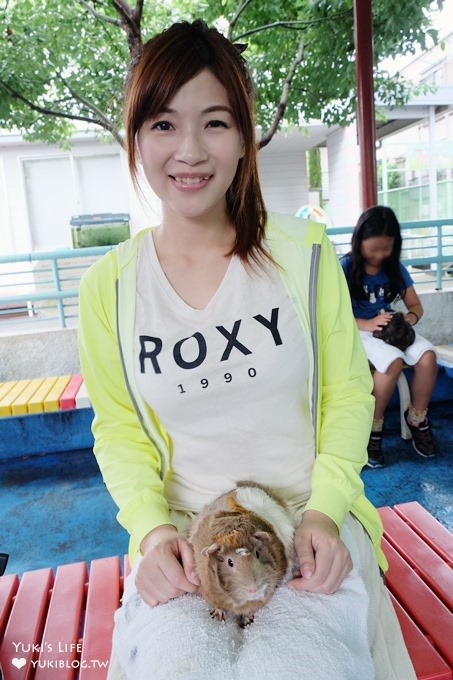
(167, 568)
(323, 557)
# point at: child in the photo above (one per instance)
(376, 278)
(209, 346)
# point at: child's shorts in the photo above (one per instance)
(381, 355)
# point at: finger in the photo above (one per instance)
(177, 578)
(188, 563)
(327, 579)
(159, 591)
(306, 556)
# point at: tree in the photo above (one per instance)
(64, 62)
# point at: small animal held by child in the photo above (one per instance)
(398, 332)
(243, 547)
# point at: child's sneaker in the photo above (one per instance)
(422, 437)
(375, 455)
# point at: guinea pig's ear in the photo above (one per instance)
(212, 550)
(260, 537)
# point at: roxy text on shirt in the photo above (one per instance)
(151, 346)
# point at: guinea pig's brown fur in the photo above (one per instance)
(240, 554)
(397, 332)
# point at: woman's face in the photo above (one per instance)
(190, 150)
(376, 249)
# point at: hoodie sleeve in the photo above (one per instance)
(129, 462)
(346, 403)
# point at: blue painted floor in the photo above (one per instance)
(54, 508)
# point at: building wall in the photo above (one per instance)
(43, 186)
(283, 175)
(344, 204)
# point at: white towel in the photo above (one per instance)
(296, 636)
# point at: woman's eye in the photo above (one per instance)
(161, 125)
(217, 123)
(230, 562)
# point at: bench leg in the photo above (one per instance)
(405, 399)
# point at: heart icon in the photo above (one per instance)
(19, 663)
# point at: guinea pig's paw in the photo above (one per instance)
(217, 613)
(245, 620)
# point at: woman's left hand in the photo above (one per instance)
(323, 557)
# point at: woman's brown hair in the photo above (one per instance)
(168, 61)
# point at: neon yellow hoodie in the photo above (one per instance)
(131, 446)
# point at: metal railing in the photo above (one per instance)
(43, 287)
(427, 249)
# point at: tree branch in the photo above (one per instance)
(102, 122)
(296, 25)
(130, 21)
(97, 15)
(281, 108)
(235, 18)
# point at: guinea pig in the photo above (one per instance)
(243, 546)
(397, 332)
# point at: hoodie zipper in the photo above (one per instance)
(312, 289)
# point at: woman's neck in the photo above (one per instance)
(184, 236)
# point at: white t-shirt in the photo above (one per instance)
(228, 382)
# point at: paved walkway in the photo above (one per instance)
(55, 509)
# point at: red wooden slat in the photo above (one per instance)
(427, 526)
(428, 664)
(26, 622)
(427, 563)
(103, 599)
(68, 397)
(424, 607)
(59, 656)
(8, 588)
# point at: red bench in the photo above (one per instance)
(60, 627)
(420, 580)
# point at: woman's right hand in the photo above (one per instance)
(167, 568)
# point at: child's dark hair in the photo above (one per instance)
(378, 220)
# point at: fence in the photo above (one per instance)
(43, 287)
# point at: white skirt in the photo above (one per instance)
(381, 355)
(351, 635)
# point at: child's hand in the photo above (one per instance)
(167, 569)
(378, 322)
(323, 557)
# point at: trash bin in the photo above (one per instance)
(102, 229)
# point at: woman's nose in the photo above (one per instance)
(190, 149)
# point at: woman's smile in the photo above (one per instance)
(190, 182)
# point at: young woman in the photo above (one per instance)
(210, 346)
(376, 279)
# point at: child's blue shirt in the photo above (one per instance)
(376, 288)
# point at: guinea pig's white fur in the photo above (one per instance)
(258, 500)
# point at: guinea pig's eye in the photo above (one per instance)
(230, 562)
